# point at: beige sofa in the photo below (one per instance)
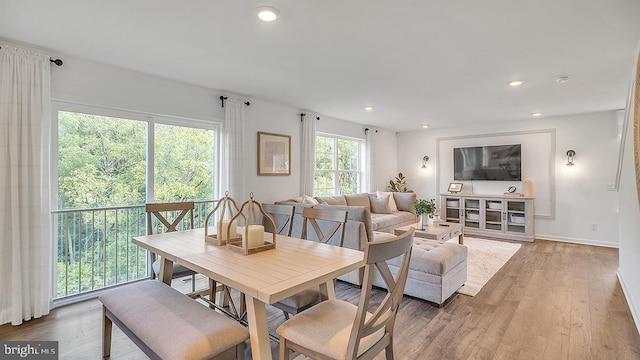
(436, 270)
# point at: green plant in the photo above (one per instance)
(423, 206)
(399, 185)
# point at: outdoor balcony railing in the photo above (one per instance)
(94, 248)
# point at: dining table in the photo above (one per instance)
(264, 277)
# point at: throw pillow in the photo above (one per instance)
(405, 201)
(380, 204)
(306, 199)
(392, 202)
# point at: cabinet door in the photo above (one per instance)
(472, 213)
(494, 214)
(519, 217)
(452, 206)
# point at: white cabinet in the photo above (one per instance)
(507, 217)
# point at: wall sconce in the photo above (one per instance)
(570, 155)
(424, 161)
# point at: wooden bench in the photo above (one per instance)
(166, 324)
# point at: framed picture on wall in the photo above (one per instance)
(274, 154)
(455, 187)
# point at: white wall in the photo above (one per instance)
(581, 195)
(629, 269)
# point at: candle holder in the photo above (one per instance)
(225, 227)
(253, 239)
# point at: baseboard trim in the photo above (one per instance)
(632, 307)
(578, 241)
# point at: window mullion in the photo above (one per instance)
(150, 159)
(336, 180)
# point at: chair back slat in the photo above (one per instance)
(376, 256)
(311, 216)
(282, 216)
(160, 210)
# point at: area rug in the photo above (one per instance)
(485, 258)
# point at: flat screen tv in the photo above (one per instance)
(499, 163)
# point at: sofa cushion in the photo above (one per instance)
(405, 201)
(380, 221)
(380, 204)
(392, 201)
(361, 199)
(332, 200)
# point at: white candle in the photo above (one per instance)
(255, 236)
(224, 226)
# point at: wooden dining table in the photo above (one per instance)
(265, 277)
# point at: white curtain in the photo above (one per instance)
(25, 234)
(308, 151)
(369, 173)
(233, 153)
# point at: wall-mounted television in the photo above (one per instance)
(499, 163)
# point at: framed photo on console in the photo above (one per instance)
(274, 154)
(455, 187)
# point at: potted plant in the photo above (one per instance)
(399, 185)
(424, 207)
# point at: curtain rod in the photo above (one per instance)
(302, 115)
(223, 98)
(56, 61)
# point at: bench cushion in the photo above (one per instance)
(170, 323)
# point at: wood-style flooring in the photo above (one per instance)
(552, 300)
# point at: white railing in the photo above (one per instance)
(94, 249)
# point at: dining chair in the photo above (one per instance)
(283, 217)
(176, 212)
(336, 329)
(334, 218)
(336, 221)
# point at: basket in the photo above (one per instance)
(494, 205)
(473, 216)
(516, 218)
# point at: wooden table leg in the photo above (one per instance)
(328, 290)
(258, 330)
(461, 239)
(166, 271)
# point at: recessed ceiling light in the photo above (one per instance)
(425, 126)
(562, 79)
(267, 13)
(368, 108)
(514, 83)
(536, 114)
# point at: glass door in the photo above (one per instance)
(452, 209)
(493, 215)
(516, 216)
(472, 213)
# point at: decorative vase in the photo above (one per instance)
(421, 221)
(431, 220)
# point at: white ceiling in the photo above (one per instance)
(445, 63)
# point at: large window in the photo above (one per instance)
(109, 163)
(102, 160)
(338, 165)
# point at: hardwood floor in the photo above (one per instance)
(550, 301)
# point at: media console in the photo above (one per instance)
(500, 216)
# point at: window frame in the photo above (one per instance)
(151, 120)
(361, 158)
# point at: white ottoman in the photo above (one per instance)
(436, 271)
